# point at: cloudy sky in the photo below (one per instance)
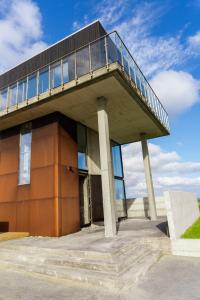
(164, 38)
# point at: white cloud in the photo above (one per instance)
(194, 41)
(20, 32)
(178, 91)
(169, 171)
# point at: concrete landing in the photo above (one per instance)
(90, 258)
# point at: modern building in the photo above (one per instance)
(62, 113)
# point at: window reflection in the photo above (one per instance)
(25, 158)
(3, 98)
(117, 161)
(43, 80)
(13, 95)
(21, 95)
(82, 144)
(119, 189)
(32, 86)
(56, 75)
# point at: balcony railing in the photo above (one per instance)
(100, 53)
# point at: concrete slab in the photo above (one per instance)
(93, 239)
(172, 278)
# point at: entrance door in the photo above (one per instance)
(84, 201)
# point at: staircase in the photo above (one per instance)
(118, 269)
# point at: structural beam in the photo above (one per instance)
(106, 169)
(149, 181)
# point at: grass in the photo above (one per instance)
(193, 232)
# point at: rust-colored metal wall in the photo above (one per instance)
(49, 205)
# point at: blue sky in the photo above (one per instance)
(164, 38)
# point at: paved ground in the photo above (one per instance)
(92, 239)
(173, 278)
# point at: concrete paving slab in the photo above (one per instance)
(172, 278)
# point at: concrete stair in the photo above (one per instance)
(117, 269)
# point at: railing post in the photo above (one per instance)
(62, 77)
(7, 99)
(90, 59)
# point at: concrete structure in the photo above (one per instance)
(182, 212)
(55, 176)
(149, 181)
(139, 207)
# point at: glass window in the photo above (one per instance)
(3, 99)
(13, 95)
(21, 96)
(82, 144)
(43, 80)
(69, 68)
(98, 54)
(32, 86)
(117, 161)
(119, 189)
(82, 62)
(55, 75)
(25, 158)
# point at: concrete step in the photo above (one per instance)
(110, 280)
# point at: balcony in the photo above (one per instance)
(104, 67)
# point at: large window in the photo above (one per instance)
(13, 95)
(43, 80)
(3, 99)
(25, 157)
(119, 189)
(21, 95)
(32, 86)
(55, 75)
(82, 143)
(117, 161)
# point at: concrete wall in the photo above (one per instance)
(182, 211)
(138, 207)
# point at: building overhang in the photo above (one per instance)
(128, 113)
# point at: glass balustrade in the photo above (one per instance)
(100, 53)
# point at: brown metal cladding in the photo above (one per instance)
(49, 206)
(64, 47)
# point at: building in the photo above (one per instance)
(61, 111)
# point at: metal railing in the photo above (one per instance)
(85, 60)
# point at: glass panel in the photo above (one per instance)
(3, 98)
(21, 96)
(56, 75)
(13, 95)
(32, 86)
(117, 161)
(82, 144)
(98, 55)
(44, 80)
(25, 158)
(69, 68)
(82, 62)
(119, 189)
(112, 49)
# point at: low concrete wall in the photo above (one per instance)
(186, 247)
(138, 207)
(182, 211)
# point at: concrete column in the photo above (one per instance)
(106, 169)
(149, 181)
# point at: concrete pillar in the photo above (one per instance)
(106, 169)
(149, 181)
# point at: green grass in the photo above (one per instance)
(193, 232)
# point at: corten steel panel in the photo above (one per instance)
(8, 187)
(8, 214)
(36, 207)
(53, 53)
(70, 215)
(69, 182)
(40, 157)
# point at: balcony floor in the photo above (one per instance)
(129, 116)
